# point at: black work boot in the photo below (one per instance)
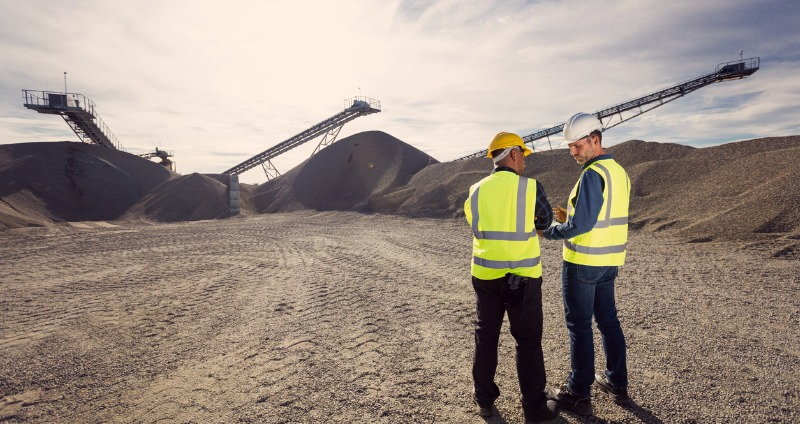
(546, 414)
(485, 411)
(620, 396)
(569, 401)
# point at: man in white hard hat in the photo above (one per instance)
(505, 211)
(594, 228)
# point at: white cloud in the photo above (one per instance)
(217, 83)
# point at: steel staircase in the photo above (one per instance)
(78, 112)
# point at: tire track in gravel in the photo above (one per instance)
(219, 319)
(342, 317)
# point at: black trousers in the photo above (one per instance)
(524, 306)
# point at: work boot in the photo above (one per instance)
(546, 414)
(485, 411)
(620, 396)
(570, 401)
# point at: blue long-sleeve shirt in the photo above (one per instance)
(587, 205)
(543, 210)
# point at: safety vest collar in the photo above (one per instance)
(589, 162)
(504, 169)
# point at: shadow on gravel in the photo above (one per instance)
(496, 418)
(643, 414)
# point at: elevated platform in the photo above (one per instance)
(78, 112)
(354, 107)
(164, 155)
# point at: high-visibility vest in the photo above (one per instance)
(500, 210)
(606, 243)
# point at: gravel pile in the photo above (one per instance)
(743, 191)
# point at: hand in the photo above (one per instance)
(560, 213)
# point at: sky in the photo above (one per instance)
(217, 82)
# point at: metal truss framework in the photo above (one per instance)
(617, 114)
(355, 107)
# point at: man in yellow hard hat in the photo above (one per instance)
(594, 228)
(505, 211)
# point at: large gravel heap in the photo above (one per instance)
(743, 191)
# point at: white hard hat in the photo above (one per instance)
(580, 125)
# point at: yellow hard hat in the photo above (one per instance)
(504, 140)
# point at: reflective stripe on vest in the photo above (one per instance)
(514, 246)
(520, 234)
(487, 263)
(595, 250)
(592, 248)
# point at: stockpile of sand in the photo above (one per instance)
(736, 191)
(52, 182)
(743, 191)
(191, 197)
(439, 191)
(346, 175)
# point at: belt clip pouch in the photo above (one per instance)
(514, 291)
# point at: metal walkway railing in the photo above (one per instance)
(78, 112)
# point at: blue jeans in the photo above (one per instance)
(589, 291)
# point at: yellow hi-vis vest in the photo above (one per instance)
(606, 243)
(500, 209)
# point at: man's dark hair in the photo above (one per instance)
(497, 152)
(599, 135)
